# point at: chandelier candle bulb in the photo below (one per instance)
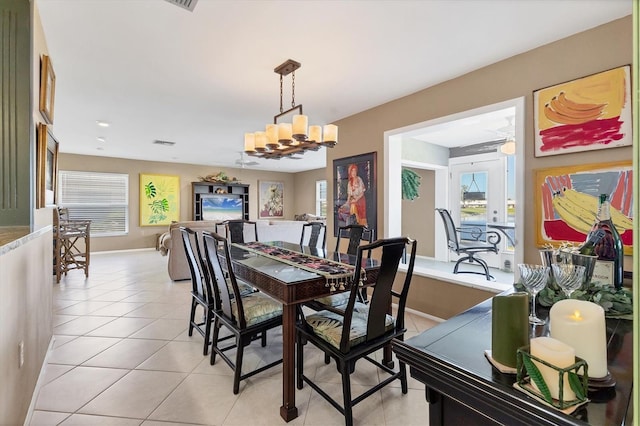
(315, 134)
(581, 325)
(555, 353)
(249, 142)
(272, 136)
(330, 134)
(261, 141)
(300, 124)
(284, 133)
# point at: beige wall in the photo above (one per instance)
(599, 49)
(418, 216)
(295, 201)
(305, 196)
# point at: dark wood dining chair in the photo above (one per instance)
(360, 329)
(477, 241)
(248, 318)
(201, 286)
(314, 234)
(357, 234)
(235, 230)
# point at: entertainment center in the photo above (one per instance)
(220, 201)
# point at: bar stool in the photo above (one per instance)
(71, 243)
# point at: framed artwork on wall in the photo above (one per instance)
(47, 89)
(585, 114)
(355, 191)
(159, 199)
(46, 167)
(270, 199)
(566, 201)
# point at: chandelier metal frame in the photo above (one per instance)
(278, 142)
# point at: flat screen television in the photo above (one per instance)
(221, 206)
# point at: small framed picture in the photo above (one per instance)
(47, 89)
(47, 167)
(270, 199)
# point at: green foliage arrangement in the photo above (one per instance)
(410, 184)
(617, 303)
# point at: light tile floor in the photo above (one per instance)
(122, 356)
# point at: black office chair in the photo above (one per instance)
(314, 234)
(234, 230)
(481, 242)
(360, 329)
(248, 317)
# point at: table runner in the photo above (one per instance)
(338, 275)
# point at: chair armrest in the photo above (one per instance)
(491, 237)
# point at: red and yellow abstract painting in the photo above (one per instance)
(567, 201)
(589, 113)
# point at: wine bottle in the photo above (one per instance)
(609, 267)
(588, 247)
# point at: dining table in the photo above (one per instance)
(292, 285)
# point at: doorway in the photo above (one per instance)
(393, 162)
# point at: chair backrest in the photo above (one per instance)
(224, 280)
(450, 229)
(393, 251)
(234, 230)
(317, 232)
(356, 234)
(200, 278)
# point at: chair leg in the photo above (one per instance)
(403, 377)
(327, 359)
(345, 367)
(263, 340)
(299, 361)
(192, 316)
(207, 331)
(214, 340)
(238, 370)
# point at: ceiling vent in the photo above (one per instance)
(185, 4)
(164, 143)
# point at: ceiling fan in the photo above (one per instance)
(242, 162)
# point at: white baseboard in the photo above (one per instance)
(39, 383)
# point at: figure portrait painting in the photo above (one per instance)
(355, 191)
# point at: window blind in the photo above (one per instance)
(102, 198)
(321, 198)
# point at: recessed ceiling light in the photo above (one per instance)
(101, 139)
(103, 123)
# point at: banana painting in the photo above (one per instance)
(562, 110)
(579, 210)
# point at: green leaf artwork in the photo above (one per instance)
(159, 199)
(410, 184)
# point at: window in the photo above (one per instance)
(321, 198)
(102, 198)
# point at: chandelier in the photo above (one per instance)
(284, 139)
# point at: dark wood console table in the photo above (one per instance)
(462, 388)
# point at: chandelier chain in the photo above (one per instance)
(281, 109)
(293, 89)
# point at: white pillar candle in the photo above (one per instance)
(581, 325)
(555, 353)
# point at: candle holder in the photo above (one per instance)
(527, 372)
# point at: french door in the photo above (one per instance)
(478, 196)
